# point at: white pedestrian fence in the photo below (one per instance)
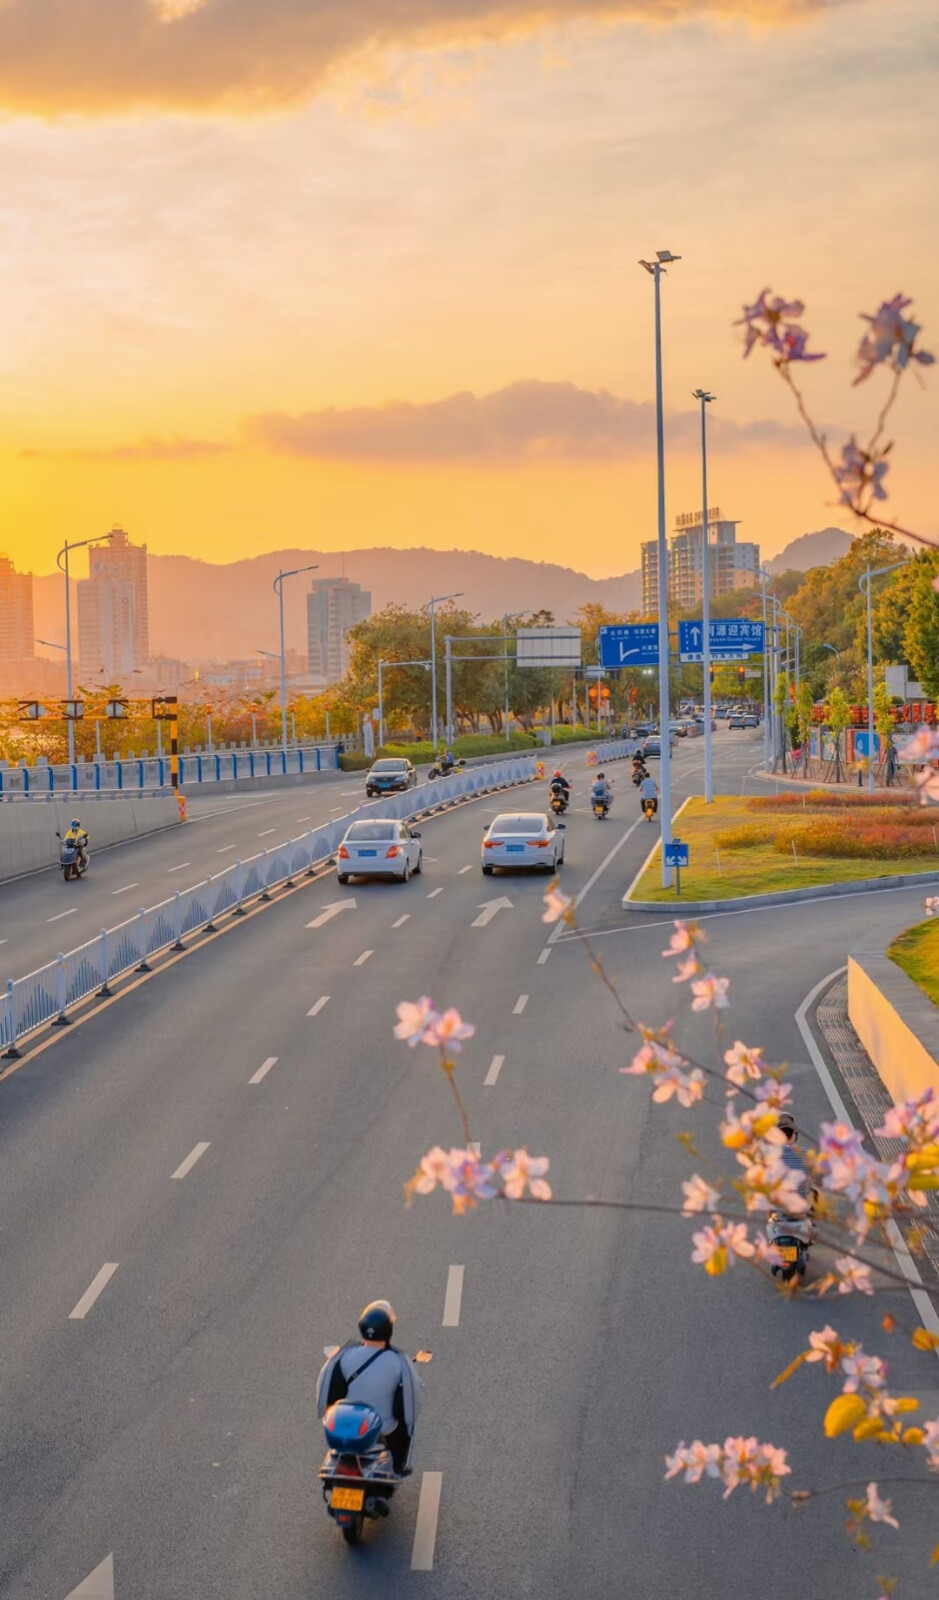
(47, 995)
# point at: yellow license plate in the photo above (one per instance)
(788, 1252)
(348, 1499)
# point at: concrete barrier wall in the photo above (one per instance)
(28, 828)
(896, 1022)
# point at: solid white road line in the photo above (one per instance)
(99, 1281)
(493, 1073)
(263, 1070)
(315, 1010)
(583, 893)
(453, 1298)
(265, 831)
(434, 893)
(428, 1513)
(60, 914)
(361, 960)
(125, 888)
(520, 1005)
(544, 955)
(401, 920)
(186, 1166)
(462, 870)
(180, 867)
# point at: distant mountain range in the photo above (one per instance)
(200, 610)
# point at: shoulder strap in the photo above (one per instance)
(365, 1365)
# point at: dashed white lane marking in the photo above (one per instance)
(361, 960)
(60, 914)
(306, 818)
(401, 920)
(493, 1073)
(434, 893)
(520, 1005)
(453, 1298)
(222, 848)
(99, 1281)
(334, 809)
(263, 1070)
(195, 1154)
(99, 1585)
(265, 831)
(462, 870)
(125, 888)
(350, 791)
(428, 1513)
(544, 956)
(315, 1010)
(179, 868)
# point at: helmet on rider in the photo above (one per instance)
(75, 823)
(600, 777)
(556, 773)
(377, 1322)
(786, 1124)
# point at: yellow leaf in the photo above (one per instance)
(788, 1371)
(924, 1180)
(934, 1558)
(905, 1402)
(845, 1412)
(717, 1263)
(923, 1339)
(914, 1436)
(923, 1160)
(869, 1428)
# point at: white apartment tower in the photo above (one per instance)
(16, 613)
(113, 613)
(333, 606)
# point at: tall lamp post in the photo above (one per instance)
(663, 258)
(67, 548)
(864, 584)
(278, 585)
(705, 399)
(436, 601)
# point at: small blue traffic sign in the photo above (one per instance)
(732, 639)
(629, 644)
(862, 743)
(676, 853)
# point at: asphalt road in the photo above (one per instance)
(173, 1423)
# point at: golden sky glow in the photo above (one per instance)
(233, 233)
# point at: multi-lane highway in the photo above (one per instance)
(201, 1185)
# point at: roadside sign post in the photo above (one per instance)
(677, 856)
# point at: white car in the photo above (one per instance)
(523, 839)
(379, 848)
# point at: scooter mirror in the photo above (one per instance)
(423, 1356)
(330, 1349)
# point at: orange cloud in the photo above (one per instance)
(108, 55)
(146, 450)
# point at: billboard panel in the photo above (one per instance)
(547, 647)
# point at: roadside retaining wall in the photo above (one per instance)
(28, 827)
(895, 1021)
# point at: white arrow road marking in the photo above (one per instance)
(318, 1005)
(489, 909)
(99, 1585)
(264, 1069)
(195, 1154)
(493, 1072)
(425, 1533)
(99, 1281)
(330, 911)
(453, 1298)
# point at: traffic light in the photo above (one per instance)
(741, 676)
(711, 675)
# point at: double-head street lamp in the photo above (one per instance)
(705, 398)
(436, 601)
(663, 259)
(67, 548)
(864, 584)
(279, 587)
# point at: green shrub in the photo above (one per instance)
(353, 761)
(470, 744)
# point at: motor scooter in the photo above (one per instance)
(358, 1475)
(72, 859)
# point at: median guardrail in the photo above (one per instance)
(150, 772)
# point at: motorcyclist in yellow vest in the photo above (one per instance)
(77, 836)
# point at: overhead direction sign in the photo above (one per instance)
(629, 644)
(547, 647)
(732, 639)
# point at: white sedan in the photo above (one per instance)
(523, 839)
(379, 848)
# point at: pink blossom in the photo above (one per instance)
(470, 1180)
(715, 1248)
(687, 1087)
(931, 905)
(771, 1184)
(686, 969)
(879, 1510)
(416, 1021)
(449, 1030)
(916, 1119)
(853, 1275)
(695, 1460)
(765, 1251)
(434, 1169)
(863, 1372)
(699, 1196)
(773, 1095)
(931, 1442)
(825, 1345)
(557, 905)
(520, 1171)
(685, 937)
(889, 339)
(743, 1063)
(927, 782)
(860, 473)
(773, 322)
(710, 991)
(920, 746)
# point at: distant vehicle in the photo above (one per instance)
(737, 720)
(642, 730)
(679, 729)
(379, 847)
(388, 775)
(652, 747)
(751, 720)
(523, 839)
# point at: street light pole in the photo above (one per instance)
(656, 268)
(705, 398)
(78, 544)
(278, 586)
(764, 580)
(864, 584)
(436, 601)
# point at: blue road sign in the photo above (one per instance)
(862, 743)
(732, 639)
(676, 853)
(630, 644)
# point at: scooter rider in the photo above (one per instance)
(648, 790)
(77, 838)
(639, 768)
(560, 785)
(375, 1373)
(602, 789)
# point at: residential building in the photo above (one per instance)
(113, 612)
(16, 613)
(333, 606)
(731, 564)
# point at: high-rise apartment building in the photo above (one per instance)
(731, 565)
(333, 606)
(16, 613)
(113, 612)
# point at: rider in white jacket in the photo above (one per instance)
(375, 1373)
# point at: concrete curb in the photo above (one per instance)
(821, 891)
(881, 792)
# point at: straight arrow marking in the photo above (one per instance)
(489, 909)
(330, 911)
(99, 1585)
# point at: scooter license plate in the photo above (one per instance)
(788, 1252)
(347, 1499)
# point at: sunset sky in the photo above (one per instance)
(363, 272)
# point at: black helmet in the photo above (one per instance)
(378, 1321)
(599, 776)
(785, 1122)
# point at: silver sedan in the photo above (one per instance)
(379, 848)
(523, 839)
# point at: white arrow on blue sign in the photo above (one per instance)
(731, 639)
(676, 853)
(629, 644)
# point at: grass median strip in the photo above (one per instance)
(917, 952)
(766, 844)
